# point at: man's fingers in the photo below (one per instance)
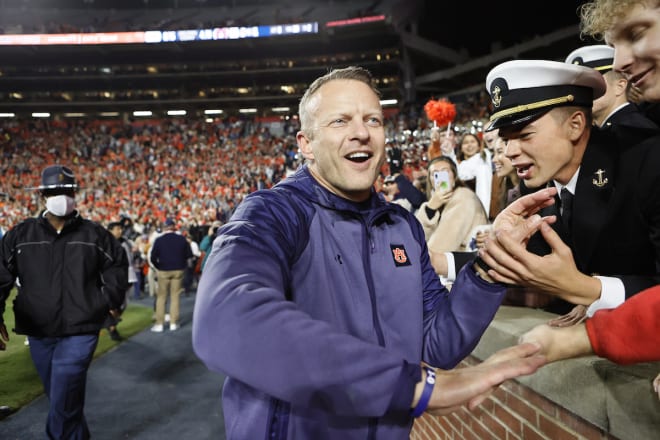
(507, 256)
(476, 401)
(492, 255)
(552, 238)
(521, 350)
(532, 203)
(522, 233)
(561, 321)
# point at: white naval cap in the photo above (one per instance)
(597, 56)
(523, 90)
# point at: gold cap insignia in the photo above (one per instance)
(497, 96)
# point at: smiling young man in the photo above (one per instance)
(608, 248)
(319, 302)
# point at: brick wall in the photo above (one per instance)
(512, 412)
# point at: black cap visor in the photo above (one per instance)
(518, 118)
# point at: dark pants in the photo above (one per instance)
(62, 365)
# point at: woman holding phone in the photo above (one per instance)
(453, 211)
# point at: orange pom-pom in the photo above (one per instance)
(441, 111)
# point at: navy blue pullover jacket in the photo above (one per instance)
(171, 251)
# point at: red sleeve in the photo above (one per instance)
(629, 333)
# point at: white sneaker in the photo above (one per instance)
(158, 328)
(174, 327)
(167, 317)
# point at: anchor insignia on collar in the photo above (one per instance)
(599, 180)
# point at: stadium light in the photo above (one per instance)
(247, 110)
(110, 114)
(74, 115)
(176, 112)
(7, 115)
(142, 113)
(389, 102)
(280, 109)
(213, 112)
(41, 115)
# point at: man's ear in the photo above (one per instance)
(621, 87)
(577, 124)
(304, 143)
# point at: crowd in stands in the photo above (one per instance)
(190, 169)
(195, 171)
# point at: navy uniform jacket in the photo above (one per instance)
(616, 213)
(630, 125)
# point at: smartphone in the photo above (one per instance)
(441, 180)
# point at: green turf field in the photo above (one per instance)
(19, 383)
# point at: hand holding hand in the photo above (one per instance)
(472, 385)
(559, 343)
(554, 273)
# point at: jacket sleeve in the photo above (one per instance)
(455, 321)
(247, 328)
(629, 333)
(114, 270)
(410, 192)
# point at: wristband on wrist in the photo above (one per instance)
(482, 264)
(423, 402)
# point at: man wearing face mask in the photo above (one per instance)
(70, 273)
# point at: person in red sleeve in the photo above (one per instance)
(625, 335)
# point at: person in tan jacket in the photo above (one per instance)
(453, 211)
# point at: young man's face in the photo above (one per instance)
(636, 40)
(540, 151)
(347, 144)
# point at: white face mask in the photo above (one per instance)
(60, 205)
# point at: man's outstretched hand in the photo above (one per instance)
(472, 385)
